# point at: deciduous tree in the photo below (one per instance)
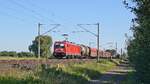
(45, 46)
(139, 46)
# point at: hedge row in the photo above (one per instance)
(16, 54)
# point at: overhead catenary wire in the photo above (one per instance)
(39, 7)
(56, 25)
(24, 7)
(87, 30)
(33, 11)
(50, 11)
(10, 15)
(38, 15)
(13, 15)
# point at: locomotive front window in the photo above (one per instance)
(62, 45)
(59, 46)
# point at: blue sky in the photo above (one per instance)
(19, 20)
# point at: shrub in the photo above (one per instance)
(25, 54)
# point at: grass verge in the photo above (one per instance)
(77, 73)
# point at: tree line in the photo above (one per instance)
(16, 54)
(45, 48)
(139, 44)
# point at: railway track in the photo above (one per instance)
(49, 61)
(32, 64)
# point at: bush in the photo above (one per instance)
(25, 54)
(8, 53)
(139, 45)
(15, 54)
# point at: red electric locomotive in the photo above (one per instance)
(65, 49)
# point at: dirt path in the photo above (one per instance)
(114, 76)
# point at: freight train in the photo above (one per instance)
(66, 49)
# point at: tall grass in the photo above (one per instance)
(77, 73)
(19, 58)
